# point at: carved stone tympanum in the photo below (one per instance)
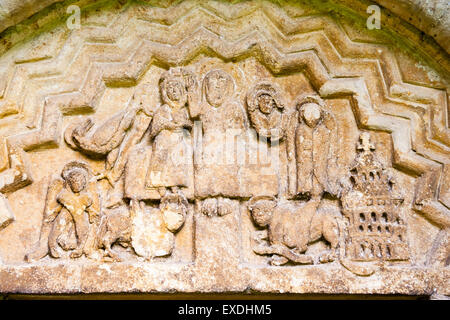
(213, 146)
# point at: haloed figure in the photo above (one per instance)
(221, 117)
(72, 198)
(266, 110)
(216, 160)
(171, 150)
(312, 145)
(78, 202)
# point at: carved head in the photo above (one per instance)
(174, 87)
(218, 86)
(265, 96)
(261, 209)
(173, 208)
(310, 110)
(266, 103)
(76, 175)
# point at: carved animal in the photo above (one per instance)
(291, 228)
(115, 227)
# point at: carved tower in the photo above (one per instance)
(376, 228)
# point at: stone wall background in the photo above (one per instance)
(414, 69)
(429, 16)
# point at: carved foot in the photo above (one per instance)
(209, 207)
(326, 257)
(262, 249)
(76, 254)
(302, 259)
(111, 257)
(36, 255)
(278, 260)
(54, 253)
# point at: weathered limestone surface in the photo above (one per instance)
(207, 146)
(430, 16)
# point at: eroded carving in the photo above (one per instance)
(170, 160)
(172, 154)
(374, 228)
(15, 175)
(6, 214)
(311, 148)
(115, 228)
(153, 229)
(316, 56)
(266, 110)
(72, 208)
(216, 165)
(291, 227)
(377, 229)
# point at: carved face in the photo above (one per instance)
(173, 215)
(262, 212)
(311, 114)
(76, 180)
(174, 93)
(218, 87)
(266, 103)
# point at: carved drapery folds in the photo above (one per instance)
(202, 143)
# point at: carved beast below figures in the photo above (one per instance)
(291, 228)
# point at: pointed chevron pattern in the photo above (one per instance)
(73, 76)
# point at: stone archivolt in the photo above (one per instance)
(41, 88)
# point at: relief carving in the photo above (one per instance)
(377, 229)
(115, 228)
(171, 157)
(167, 172)
(367, 226)
(291, 227)
(14, 175)
(153, 152)
(266, 111)
(72, 208)
(167, 109)
(153, 229)
(311, 148)
(216, 167)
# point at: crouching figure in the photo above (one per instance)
(290, 228)
(72, 210)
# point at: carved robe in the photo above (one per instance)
(268, 125)
(217, 160)
(171, 150)
(312, 153)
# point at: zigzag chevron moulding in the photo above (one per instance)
(213, 146)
